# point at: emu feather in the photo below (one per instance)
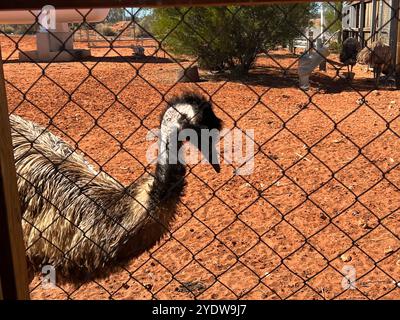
(83, 222)
(378, 55)
(348, 54)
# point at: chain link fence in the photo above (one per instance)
(317, 218)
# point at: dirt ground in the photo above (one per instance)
(324, 195)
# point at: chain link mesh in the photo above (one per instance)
(325, 189)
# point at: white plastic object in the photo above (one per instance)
(62, 15)
(308, 62)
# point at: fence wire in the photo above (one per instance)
(318, 218)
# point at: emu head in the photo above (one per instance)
(192, 111)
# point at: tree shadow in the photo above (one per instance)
(276, 77)
(340, 84)
(113, 59)
(257, 77)
(133, 59)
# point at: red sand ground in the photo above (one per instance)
(251, 237)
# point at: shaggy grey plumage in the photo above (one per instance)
(378, 55)
(84, 223)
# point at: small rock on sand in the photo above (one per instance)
(189, 75)
(345, 257)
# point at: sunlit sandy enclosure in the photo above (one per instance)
(324, 193)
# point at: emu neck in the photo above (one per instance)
(170, 172)
(169, 169)
(159, 201)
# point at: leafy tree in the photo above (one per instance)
(230, 37)
(116, 14)
(333, 16)
(144, 23)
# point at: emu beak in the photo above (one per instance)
(216, 167)
(210, 153)
(213, 159)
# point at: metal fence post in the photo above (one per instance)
(393, 39)
(361, 28)
(374, 20)
(13, 269)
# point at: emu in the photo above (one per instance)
(348, 54)
(379, 56)
(83, 222)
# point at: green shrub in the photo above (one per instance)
(229, 38)
(20, 28)
(144, 26)
(8, 29)
(335, 47)
(105, 30)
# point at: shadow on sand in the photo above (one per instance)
(275, 77)
(114, 59)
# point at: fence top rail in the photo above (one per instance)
(36, 4)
